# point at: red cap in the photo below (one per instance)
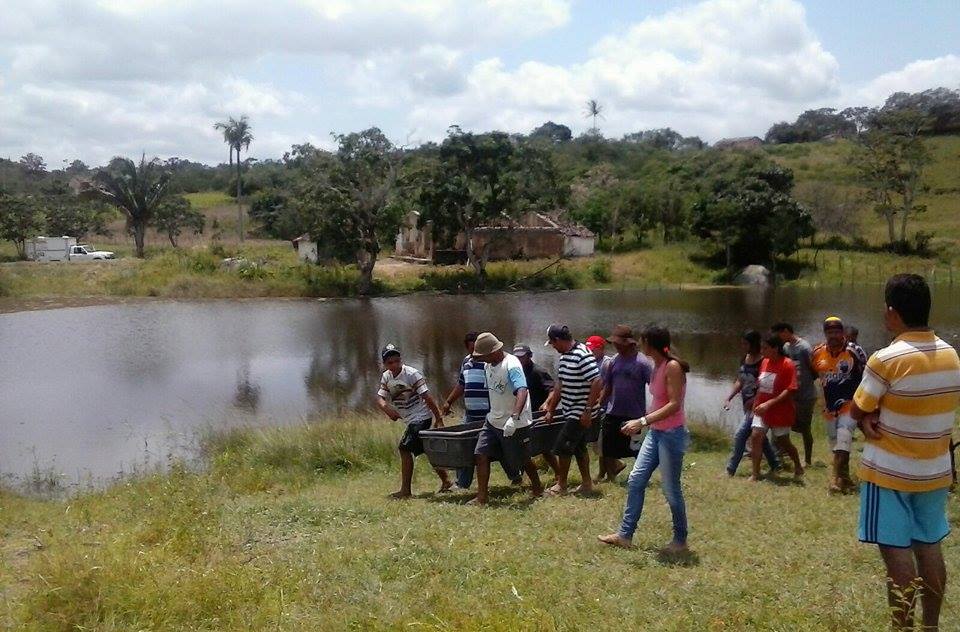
(595, 342)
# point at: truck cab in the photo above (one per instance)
(84, 252)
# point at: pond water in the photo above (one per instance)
(91, 392)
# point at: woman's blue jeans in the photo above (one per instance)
(740, 446)
(663, 449)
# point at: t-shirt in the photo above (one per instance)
(839, 375)
(777, 376)
(858, 351)
(626, 379)
(748, 374)
(472, 378)
(504, 380)
(915, 382)
(539, 385)
(802, 355)
(405, 392)
(576, 370)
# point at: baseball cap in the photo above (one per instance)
(522, 350)
(389, 350)
(557, 332)
(832, 322)
(595, 342)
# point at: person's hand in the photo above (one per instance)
(438, 422)
(586, 418)
(871, 426)
(760, 409)
(392, 414)
(445, 409)
(631, 427)
(547, 415)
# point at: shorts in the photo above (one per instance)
(899, 519)
(513, 452)
(804, 415)
(840, 432)
(411, 441)
(572, 439)
(778, 431)
(616, 445)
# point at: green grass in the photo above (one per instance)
(204, 200)
(291, 529)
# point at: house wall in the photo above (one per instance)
(521, 243)
(579, 246)
(307, 251)
(413, 241)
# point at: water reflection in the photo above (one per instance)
(88, 388)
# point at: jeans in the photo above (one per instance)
(740, 446)
(664, 448)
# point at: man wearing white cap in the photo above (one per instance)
(506, 433)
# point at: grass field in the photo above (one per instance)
(290, 529)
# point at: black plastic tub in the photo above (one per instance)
(451, 446)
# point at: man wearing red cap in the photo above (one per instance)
(597, 345)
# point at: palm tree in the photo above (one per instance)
(594, 110)
(237, 136)
(137, 190)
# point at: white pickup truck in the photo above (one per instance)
(64, 249)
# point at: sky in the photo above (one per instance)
(92, 79)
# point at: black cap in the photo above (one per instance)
(389, 350)
(522, 350)
(557, 332)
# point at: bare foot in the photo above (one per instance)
(477, 501)
(798, 474)
(619, 468)
(615, 539)
(583, 489)
(536, 493)
(753, 479)
(445, 487)
(401, 495)
(675, 548)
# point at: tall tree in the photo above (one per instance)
(174, 215)
(33, 166)
(891, 158)
(20, 220)
(137, 190)
(347, 202)
(237, 135)
(593, 109)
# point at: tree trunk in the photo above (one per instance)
(478, 264)
(891, 231)
(908, 194)
(21, 246)
(139, 232)
(366, 260)
(239, 205)
(173, 238)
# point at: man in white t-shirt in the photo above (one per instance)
(506, 433)
(403, 394)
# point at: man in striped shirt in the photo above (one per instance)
(576, 392)
(905, 406)
(472, 386)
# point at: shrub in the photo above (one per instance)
(601, 270)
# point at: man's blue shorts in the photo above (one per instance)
(900, 519)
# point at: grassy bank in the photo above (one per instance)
(290, 529)
(272, 270)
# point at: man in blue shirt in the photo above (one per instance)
(472, 386)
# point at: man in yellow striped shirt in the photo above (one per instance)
(905, 406)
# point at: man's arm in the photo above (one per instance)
(596, 387)
(454, 395)
(432, 405)
(520, 401)
(387, 409)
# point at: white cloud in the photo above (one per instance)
(914, 77)
(721, 67)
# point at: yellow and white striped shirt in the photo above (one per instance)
(915, 382)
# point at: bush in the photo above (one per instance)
(601, 270)
(334, 280)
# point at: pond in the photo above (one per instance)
(91, 392)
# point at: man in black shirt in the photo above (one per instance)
(539, 382)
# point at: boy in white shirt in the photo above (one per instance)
(506, 433)
(403, 394)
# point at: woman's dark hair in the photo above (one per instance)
(659, 339)
(909, 296)
(778, 327)
(752, 337)
(774, 341)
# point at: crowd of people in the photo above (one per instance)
(902, 398)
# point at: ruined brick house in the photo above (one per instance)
(535, 236)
